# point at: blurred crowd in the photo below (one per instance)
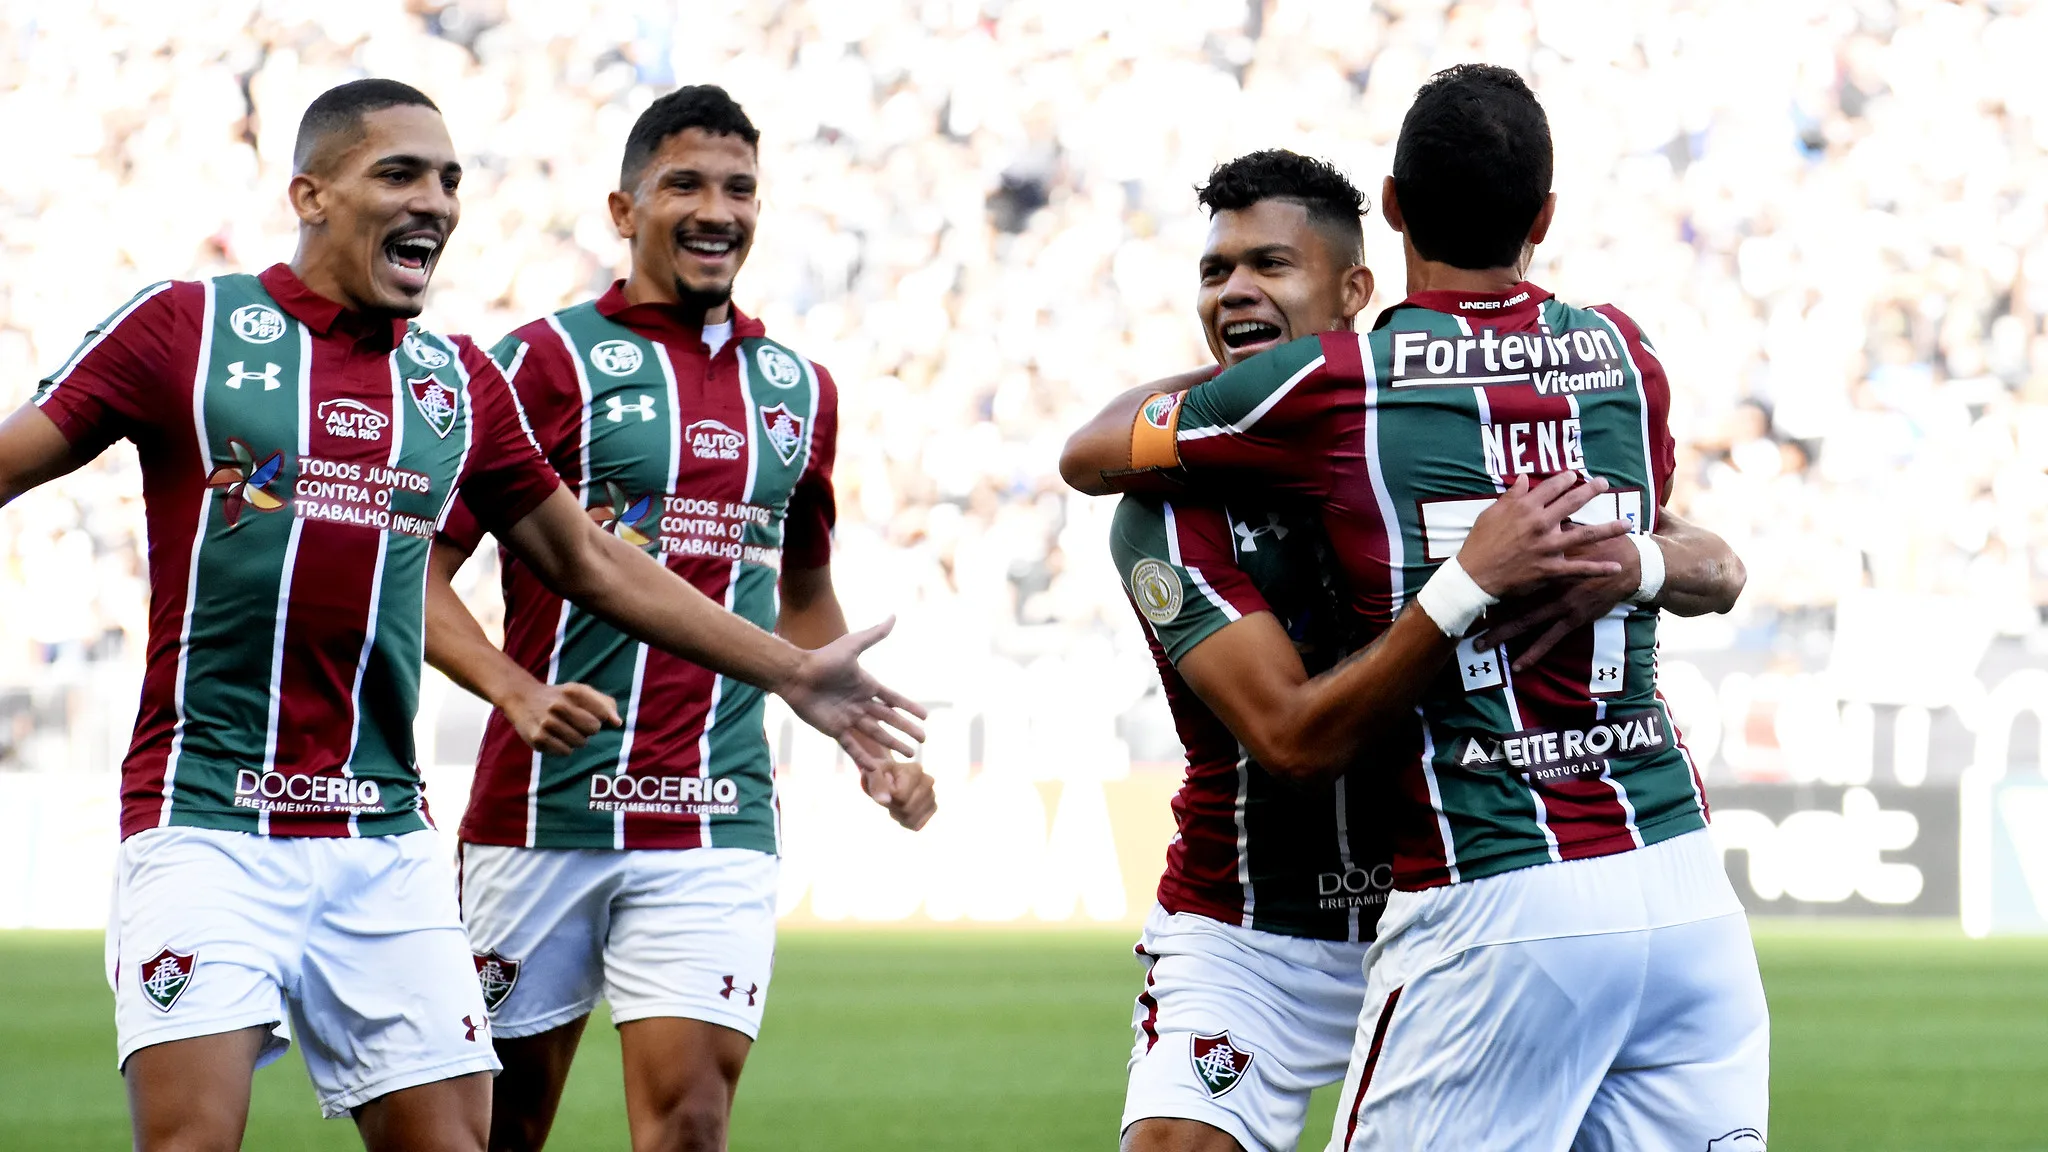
(979, 214)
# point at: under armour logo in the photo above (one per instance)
(1606, 672)
(619, 408)
(731, 988)
(1483, 668)
(472, 1026)
(1248, 536)
(238, 372)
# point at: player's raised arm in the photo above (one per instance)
(33, 451)
(1311, 730)
(633, 592)
(1101, 458)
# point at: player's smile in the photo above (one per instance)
(1250, 331)
(410, 253)
(709, 254)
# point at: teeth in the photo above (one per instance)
(1243, 327)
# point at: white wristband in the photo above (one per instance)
(1453, 599)
(1652, 554)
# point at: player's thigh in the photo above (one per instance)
(529, 1091)
(681, 1076)
(450, 1115)
(388, 996)
(1498, 1047)
(1161, 1134)
(692, 937)
(1695, 1070)
(204, 936)
(1234, 1030)
(192, 1095)
(537, 920)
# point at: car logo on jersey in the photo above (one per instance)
(424, 354)
(166, 975)
(1156, 588)
(711, 440)
(625, 518)
(496, 975)
(436, 402)
(256, 323)
(785, 431)
(1219, 1064)
(616, 357)
(778, 366)
(247, 482)
(347, 419)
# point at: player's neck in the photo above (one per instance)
(1435, 276)
(321, 281)
(650, 290)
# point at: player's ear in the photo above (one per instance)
(621, 205)
(307, 195)
(1540, 227)
(1357, 290)
(1390, 206)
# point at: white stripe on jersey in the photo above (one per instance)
(205, 509)
(1244, 423)
(92, 341)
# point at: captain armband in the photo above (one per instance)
(1154, 432)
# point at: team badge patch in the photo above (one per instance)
(247, 482)
(785, 431)
(424, 354)
(436, 402)
(1156, 588)
(1158, 411)
(496, 975)
(166, 975)
(625, 518)
(778, 366)
(256, 323)
(1219, 1064)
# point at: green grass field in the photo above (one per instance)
(1885, 1037)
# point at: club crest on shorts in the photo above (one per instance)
(785, 431)
(1219, 1064)
(436, 402)
(166, 975)
(496, 975)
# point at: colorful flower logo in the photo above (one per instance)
(624, 518)
(246, 481)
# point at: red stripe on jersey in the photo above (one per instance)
(675, 704)
(1656, 409)
(1372, 1061)
(1201, 862)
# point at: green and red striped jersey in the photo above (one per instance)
(1401, 437)
(296, 459)
(720, 464)
(1250, 849)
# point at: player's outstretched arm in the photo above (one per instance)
(1311, 730)
(1701, 574)
(33, 451)
(633, 592)
(1097, 458)
(554, 719)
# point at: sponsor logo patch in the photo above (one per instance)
(424, 354)
(166, 975)
(296, 792)
(785, 431)
(1354, 887)
(616, 357)
(664, 795)
(779, 367)
(1219, 1063)
(247, 482)
(256, 323)
(496, 975)
(732, 989)
(436, 402)
(1543, 754)
(1156, 588)
(1554, 364)
(239, 374)
(711, 440)
(347, 419)
(625, 518)
(616, 408)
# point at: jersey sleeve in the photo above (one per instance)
(505, 476)
(111, 386)
(1264, 419)
(813, 509)
(1180, 570)
(1656, 399)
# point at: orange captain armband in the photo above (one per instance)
(1154, 443)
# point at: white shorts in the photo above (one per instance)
(355, 941)
(1236, 1027)
(1641, 1027)
(686, 932)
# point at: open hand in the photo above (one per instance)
(1526, 537)
(1567, 605)
(834, 694)
(557, 719)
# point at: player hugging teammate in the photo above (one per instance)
(1562, 963)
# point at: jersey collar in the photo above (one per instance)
(321, 314)
(659, 320)
(1523, 297)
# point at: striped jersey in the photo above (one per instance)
(296, 459)
(1402, 436)
(720, 464)
(1250, 849)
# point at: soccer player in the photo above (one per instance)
(1563, 963)
(1255, 953)
(300, 438)
(639, 864)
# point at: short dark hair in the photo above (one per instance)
(340, 110)
(1473, 166)
(705, 106)
(1334, 205)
